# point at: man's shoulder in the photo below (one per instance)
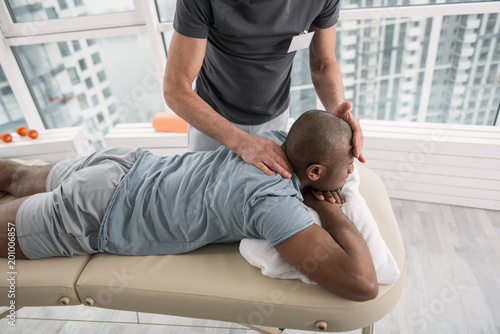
(278, 136)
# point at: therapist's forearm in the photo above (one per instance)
(327, 81)
(194, 110)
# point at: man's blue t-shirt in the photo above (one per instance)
(171, 205)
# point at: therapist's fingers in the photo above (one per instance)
(343, 111)
(262, 166)
(357, 142)
(278, 161)
(266, 155)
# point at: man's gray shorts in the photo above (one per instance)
(198, 141)
(65, 220)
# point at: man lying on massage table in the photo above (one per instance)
(128, 201)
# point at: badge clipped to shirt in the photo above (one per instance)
(301, 41)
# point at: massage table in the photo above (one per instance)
(214, 282)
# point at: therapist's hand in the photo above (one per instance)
(357, 135)
(265, 154)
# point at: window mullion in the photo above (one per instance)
(150, 13)
(430, 65)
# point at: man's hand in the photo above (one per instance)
(266, 155)
(313, 200)
(335, 196)
(357, 135)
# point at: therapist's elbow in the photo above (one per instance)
(170, 93)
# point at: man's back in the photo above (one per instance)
(170, 205)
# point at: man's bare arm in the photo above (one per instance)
(184, 62)
(335, 256)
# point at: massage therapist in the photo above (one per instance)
(241, 52)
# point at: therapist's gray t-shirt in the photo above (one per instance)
(245, 75)
(171, 205)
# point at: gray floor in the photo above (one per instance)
(453, 284)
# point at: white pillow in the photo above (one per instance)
(261, 254)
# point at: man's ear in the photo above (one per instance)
(315, 171)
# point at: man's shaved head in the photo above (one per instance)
(317, 137)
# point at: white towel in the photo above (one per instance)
(261, 254)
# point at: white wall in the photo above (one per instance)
(440, 163)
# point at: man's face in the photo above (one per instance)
(337, 175)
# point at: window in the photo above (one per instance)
(112, 109)
(95, 100)
(106, 92)
(396, 60)
(88, 83)
(64, 49)
(490, 25)
(493, 69)
(96, 59)
(82, 98)
(63, 4)
(484, 104)
(83, 64)
(51, 13)
(101, 75)
(100, 117)
(126, 79)
(73, 76)
(76, 45)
